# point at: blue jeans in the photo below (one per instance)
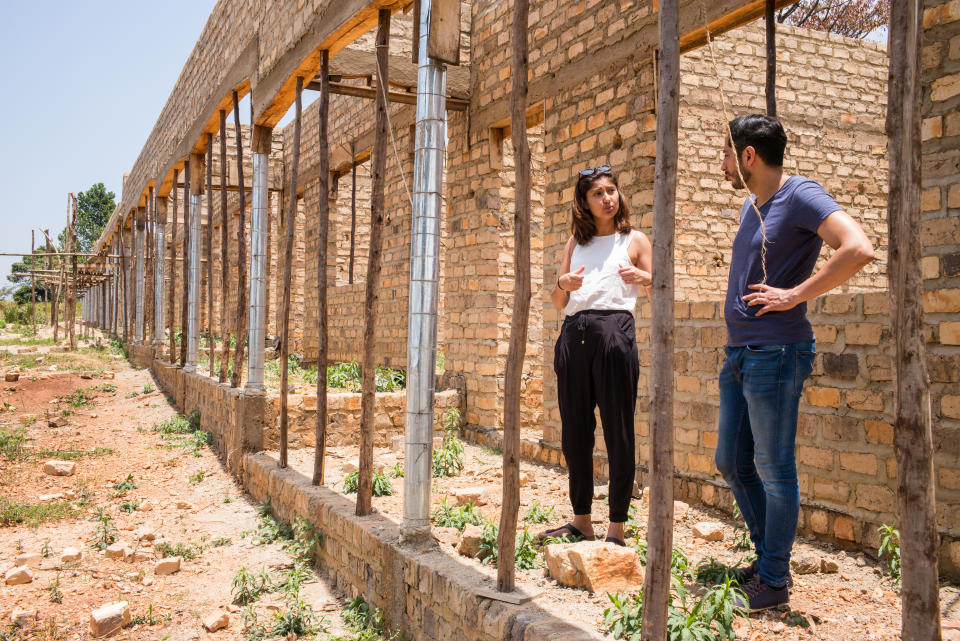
(760, 389)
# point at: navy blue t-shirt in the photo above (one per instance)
(792, 217)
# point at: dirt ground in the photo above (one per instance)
(186, 497)
(180, 498)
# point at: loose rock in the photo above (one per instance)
(599, 566)
(23, 617)
(216, 621)
(709, 530)
(59, 468)
(829, 566)
(108, 375)
(117, 551)
(71, 555)
(446, 535)
(469, 544)
(805, 564)
(11, 377)
(29, 559)
(109, 618)
(680, 509)
(465, 495)
(27, 419)
(167, 565)
(18, 575)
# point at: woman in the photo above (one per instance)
(605, 262)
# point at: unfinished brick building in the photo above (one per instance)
(592, 101)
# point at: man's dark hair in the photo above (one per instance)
(764, 133)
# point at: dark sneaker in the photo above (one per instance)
(747, 574)
(761, 596)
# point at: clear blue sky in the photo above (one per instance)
(83, 84)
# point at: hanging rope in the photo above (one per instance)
(382, 86)
(729, 136)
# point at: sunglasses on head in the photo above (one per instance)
(594, 170)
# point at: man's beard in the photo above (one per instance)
(737, 182)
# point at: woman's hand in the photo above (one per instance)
(632, 275)
(571, 281)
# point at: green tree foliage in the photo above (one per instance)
(94, 208)
(22, 293)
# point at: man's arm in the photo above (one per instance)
(853, 251)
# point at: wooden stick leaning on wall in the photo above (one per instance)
(148, 290)
(323, 232)
(33, 285)
(378, 162)
(209, 251)
(660, 520)
(184, 307)
(123, 282)
(50, 307)
(771, 30)
(913, 437)
(173, 272)
(291, 224)
(241, 318)
(71, 286)
(516, 351)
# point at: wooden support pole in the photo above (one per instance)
(323, 232)
(290, 227)
(771, 28)
(50, 306)
(173, 272)
(913, 438)
(368, 372)
(71, 288)
(224, 252)
(353, 205)
(241, 318)
(209, 251)
(33, 285)
(660, 519)
(516, 351)
(184, 305)
(148, 289)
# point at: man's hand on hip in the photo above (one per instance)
(773, 299)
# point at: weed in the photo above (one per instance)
(147, 618)
(46, 551)
(248, 587)
(397, 470)
(109, 388)
(78, 398)
(11, 441)
(183, 550)
(56, 595)
(456, 516)
(148, 388)
(68, 455)
(12, 513)
(711, 572)
(448, 458)
(525, 557)
(488, 551)
(122, 487)
(269, 529)
(105, 533)
(741, 535)
(220, 542)
(537, 514)
(198, 477)
(890, 547)
(129, 506)
(132, 394)
(796, 620)
(297, 620)
(365, 623)
(381, 484)
(227, 499)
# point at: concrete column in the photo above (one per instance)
(194, 263)
(262, 141)
(141, 247)
(160, 297)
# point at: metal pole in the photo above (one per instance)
(429, 151)
(160, 209)
(193, 295)
(138, 281)
(262, 141)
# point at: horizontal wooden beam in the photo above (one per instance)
(370, 93)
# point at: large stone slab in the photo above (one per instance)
(595, 565)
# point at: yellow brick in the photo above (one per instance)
(931, 128)
(843, 527)
(688, 384)
(815, 457)
(864, 400)
(950, 406)
(823, 396)
(930, 266)
(863, 333)
(825, 333)
(953, 197)
(930, 201)
(950, 333)
(941, 301)
(819, 521)
(859, 463)
(879, 432)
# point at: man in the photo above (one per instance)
(770, 343)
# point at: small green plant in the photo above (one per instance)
(56, 595)
(247, 587)
(46, 551)
(537, 514)
(458, 516)
(183, 550)
(147, 618)
(109, 388)
(397, 470)
(890, 547)
(78, 398)
(105, 533)
(741, 535)
(525, 557)
(381, 484)
(198, 477)
(122, 487)
(11, 442)
(711, 572)
(488, 551)
(220, 542)
(448, 458)
(148, 388)
(364, 622)
(132, 394)
(129, 506)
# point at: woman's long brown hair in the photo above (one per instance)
(583, 227)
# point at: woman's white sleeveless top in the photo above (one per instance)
(602, 286)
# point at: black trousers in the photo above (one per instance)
(597, 365)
